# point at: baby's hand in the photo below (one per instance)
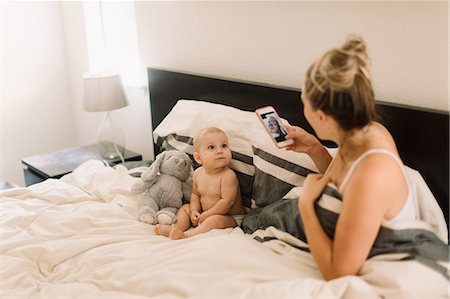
(202, 217)
(195, 217)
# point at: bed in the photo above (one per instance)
(79, 237)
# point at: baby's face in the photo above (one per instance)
(273, 125)
(214, 150)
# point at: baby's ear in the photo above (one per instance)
(197, 158)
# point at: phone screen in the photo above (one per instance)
(275, 126)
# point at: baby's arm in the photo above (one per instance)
(194, 205)
(229, 191)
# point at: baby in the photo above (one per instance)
(216, 198)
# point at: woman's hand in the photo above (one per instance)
(307, 143)
(312, 188)
(195, 217)
(304, 142)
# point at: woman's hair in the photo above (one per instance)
(339, 83)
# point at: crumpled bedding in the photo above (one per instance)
(79, 237)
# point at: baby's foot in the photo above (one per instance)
(176, 233)
(163, 229)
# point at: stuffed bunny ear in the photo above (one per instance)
(153, 170)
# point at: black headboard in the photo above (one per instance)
(422, 135)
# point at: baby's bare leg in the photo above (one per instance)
(163, 229)
(212, 222)
(182, 223)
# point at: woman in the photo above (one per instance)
(338, 102)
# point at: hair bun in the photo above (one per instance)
(355, 46)
(339, 83)
(354, 43)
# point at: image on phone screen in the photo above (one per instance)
(275, 126)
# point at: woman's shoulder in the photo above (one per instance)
(381, 129)
(378, 180)
(378, 169)
(379, 137)
(377, 159)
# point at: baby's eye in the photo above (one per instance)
(224, 145)
(210, 147)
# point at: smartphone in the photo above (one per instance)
(273, 125)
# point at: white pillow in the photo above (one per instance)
(427, 206)
(187, 117)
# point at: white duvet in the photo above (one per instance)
(79, 237)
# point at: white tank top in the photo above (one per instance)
(409, 210)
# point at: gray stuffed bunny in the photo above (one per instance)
(163, 186)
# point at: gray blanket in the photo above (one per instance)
(419, 244)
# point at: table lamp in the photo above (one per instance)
(104, 92)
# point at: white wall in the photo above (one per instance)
(275, 42)
(35, 104)
(133, 119)
(44, 55)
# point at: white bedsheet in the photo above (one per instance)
(79, 237)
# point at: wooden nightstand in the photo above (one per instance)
(56, 164)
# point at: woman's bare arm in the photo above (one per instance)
(305, 142)
(366, 199)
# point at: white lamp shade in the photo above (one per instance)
(103, 92)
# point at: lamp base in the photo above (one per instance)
(110, 151)
(111, 139)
